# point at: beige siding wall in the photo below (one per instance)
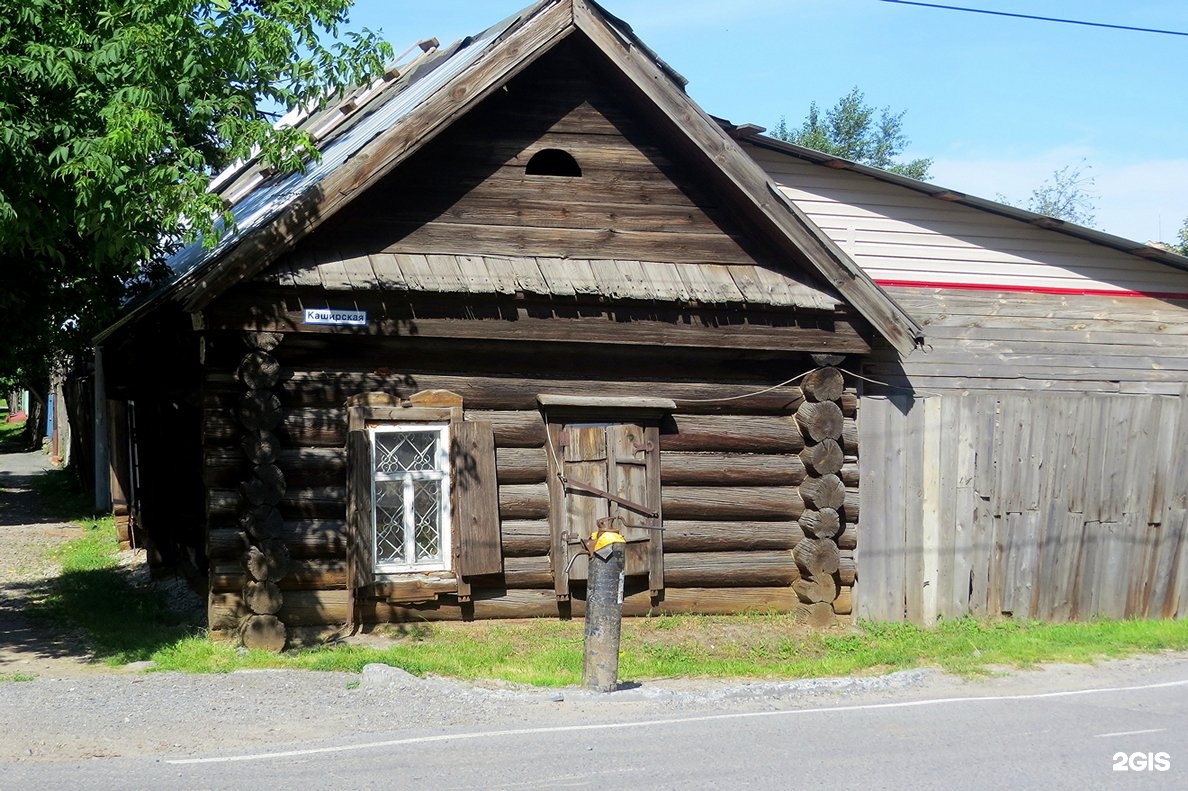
(898, 234)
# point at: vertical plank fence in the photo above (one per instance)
(1043, 506)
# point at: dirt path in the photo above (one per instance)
(29, 646)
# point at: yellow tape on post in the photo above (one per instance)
(606, 539)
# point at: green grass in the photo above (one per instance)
(548, 653)
(126, 624)
(122, 623)
(63, 498)
(10, 434)
(6, 677)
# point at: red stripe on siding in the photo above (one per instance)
(1080, 292)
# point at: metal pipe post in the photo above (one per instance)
(604, 617)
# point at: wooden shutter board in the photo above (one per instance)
(479, 548)
(360, 557)
(634, 451)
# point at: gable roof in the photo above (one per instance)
(409, 111)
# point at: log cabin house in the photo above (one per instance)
(531, 289)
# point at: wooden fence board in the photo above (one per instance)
(964, 508)
(1019, 555)
(935, 562)
(985, 420)
(1176, 605)
(1168, 547)
(949, 443)
(909, 504)
(1050, 506)
(871, 592)
(1112, 568)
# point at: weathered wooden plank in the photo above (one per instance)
(359, 272)
(873, 597)
(708, 536)
(304, 270)
(323, 389)
(729, 569)
(980, 421)
(1166, 423)
(521, 465)
(311, 608)
(1175, 604)
(742, 503)
(1143, 541)
(1019, 561)
(730, 469)
(304, 539)
(728, 433)
(388, 274)
(524, 537)
(557, 275)
(1113, 569)
(932, 436)
(950, 530)
(717, 277)
(909, 503)
(958, 509)
(303, 574)
(519, 428)
(630, 280)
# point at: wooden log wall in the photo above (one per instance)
(733, 490)
(823, 494)
(263, 553)
(1031, 505)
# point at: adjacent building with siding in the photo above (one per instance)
(1028, 460)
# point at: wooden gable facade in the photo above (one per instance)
(573, 304)
(1029, 462)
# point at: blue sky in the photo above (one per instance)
(998, 103)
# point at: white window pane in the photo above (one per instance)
(405, 451)
(389, 522)
(411, 480)
(427, 519)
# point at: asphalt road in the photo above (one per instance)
(986, 736)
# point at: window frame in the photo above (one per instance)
(442, 473)
(475, 530)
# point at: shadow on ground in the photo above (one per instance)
(78, 615)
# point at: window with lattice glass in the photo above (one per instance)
(410, 497)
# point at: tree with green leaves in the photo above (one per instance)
(854, 130)
(1065, 195)
(114, 114)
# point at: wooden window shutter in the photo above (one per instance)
(360, 556)
(633, 472)
(479, 545)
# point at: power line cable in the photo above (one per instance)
(1040, 18)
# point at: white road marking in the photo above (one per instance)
(1129, 733)
(608, 726)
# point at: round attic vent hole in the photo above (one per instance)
(552, 162)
